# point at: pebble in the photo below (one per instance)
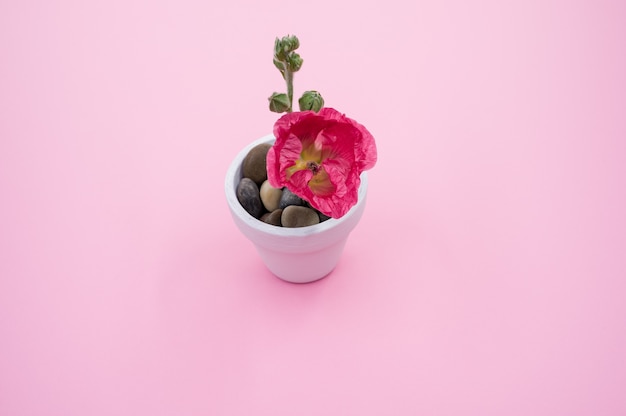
(270, 196)
(249, 197)
(279, 207)
(323, 217)
(289, 198)
(254, 164)
(273, 218)
(298, 216)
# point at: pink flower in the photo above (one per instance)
(320, 157)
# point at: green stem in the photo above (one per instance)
(289, 80)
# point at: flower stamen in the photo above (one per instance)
(313, 167)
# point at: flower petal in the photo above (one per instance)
(321, 185)
(319, 157)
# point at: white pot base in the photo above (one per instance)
(296, 255)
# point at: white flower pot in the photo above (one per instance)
(297, 255)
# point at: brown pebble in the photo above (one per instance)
(270, 196)
(254, 164)
(273, 218)
(297, 216)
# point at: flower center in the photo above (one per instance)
(313, 167)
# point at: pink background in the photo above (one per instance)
(487, 276)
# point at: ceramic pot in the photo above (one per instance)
(297, 255)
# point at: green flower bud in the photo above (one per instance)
(294, 62)
(282, 47)
(280, 65)
(279, 103)
(279, 54)
(290, 43)
(311, 100)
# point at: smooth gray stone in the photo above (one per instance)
(249, 197)
(323, 217)
(254, 164)
(289, 198)
(297, 216)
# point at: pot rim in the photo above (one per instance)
(233, 176)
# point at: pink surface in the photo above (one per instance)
(487, 275)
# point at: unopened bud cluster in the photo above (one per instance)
(288, 62)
